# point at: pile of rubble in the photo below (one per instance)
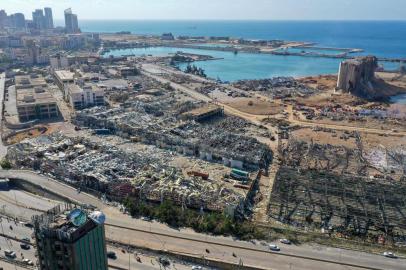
(346, 190)
(105, 168)
(158, 123)
(224, 143)
(278, 87)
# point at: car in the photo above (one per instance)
(274, 247)
(285, 241)
(111, 255)
(196, 267)
(28, 262)
(389, 254)
(25, 246)
(10, 254)
(28, 225)
(146, 219)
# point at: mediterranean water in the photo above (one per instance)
(380, 38)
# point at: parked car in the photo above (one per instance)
(28, 225)
(111, 255)
(274, 247)
(28, 262)
(10, 254)
(25, 246)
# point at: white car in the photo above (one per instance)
(389, 255)
(28, 262)
(285, 241)
(274, 247)
(196, 267)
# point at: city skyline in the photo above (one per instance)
(215, 10)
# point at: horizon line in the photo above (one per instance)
(253, 20)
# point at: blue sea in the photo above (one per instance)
(380, 38)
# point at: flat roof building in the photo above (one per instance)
(36, 103)
(81, 97)
(29, 81)
(70, 238)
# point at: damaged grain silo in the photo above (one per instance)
(357, 75)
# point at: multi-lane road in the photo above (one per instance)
(11, 234)
(122, 228)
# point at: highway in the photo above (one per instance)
(125, 229)
(11, 230)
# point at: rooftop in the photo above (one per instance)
(34, 96)
(28, 81)
(77, 89)
(64, 74)
(67, 222)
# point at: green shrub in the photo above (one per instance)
(5, 164)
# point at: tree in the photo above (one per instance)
(5, 164)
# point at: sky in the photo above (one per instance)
(217, 9)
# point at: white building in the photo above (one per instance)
(84, 97)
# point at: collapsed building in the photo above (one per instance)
(158, 123)
(337, 188)
(357, 75)
(106, 169)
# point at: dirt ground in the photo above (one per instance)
(325, 82)
(329, 97)
(395, 79)
(27, 134)
(322, 137)
(256, 106)
(373, 140)
(252, 105)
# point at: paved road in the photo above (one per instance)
(147, 261)
(221, 247)
(17, 230)
(3, 149)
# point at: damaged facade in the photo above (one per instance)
(357, 75)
